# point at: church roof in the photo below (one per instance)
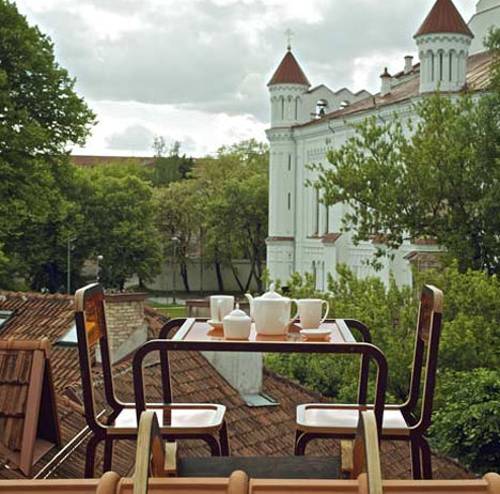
(444, 18)
(478, 79)
(289, 72)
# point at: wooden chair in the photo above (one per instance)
(155, 459)
(177, 421)
(327, 421)
(150, 475)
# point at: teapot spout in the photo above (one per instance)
(250, 303)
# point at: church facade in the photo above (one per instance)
(304, 234)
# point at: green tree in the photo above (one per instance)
(442, 182)
(169, 167)
(235, 188)
(179, 209)
(466, 424)
(41, 116)
(121, 226)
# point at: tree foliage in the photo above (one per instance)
(121, 226)
(466, 424)
(436, 177)
(40, 116)
(220, 211)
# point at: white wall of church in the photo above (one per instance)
(487, 15)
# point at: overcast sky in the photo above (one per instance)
(196, 70)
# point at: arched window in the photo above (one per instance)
(296, 108)
(451, 57)
(282, 108)
(433, 68)
(316, 215)
(441, 66)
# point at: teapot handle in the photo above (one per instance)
(292, 320)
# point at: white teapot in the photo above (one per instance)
(271, 312)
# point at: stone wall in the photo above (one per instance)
(127, 327)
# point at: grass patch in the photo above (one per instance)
(170, 310)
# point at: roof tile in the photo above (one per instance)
(289, 72)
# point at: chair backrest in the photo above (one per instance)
(90, 320)
(425, 356)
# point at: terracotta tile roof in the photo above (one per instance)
(478, 77)
(27, 400)
(331, 238)
(444, 17)
(252, 431)
(15, 368)
(289, 72)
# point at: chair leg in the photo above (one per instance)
(224, 440)
(213, 443)
(426, 458)
(301, 441)
(108, 455)
(415, 459)
(90, 457)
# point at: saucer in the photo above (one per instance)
(316, 334)
(215, 324)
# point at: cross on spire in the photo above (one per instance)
(289, 35)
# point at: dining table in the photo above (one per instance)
(196, 334)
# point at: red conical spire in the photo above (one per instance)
(289, 72)
(444, 18)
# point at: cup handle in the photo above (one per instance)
(325, 302)
(292, 320)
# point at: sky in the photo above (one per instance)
(195, 71)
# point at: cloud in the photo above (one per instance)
(134, 138)
(216, 56)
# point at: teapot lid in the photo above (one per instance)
(237, 313)
(272, 294)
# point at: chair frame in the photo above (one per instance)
(92, 297)
(425, 354)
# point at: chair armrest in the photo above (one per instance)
(366, 453)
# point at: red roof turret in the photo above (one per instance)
(444, 18)
(289, 72)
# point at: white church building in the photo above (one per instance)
(307, 122)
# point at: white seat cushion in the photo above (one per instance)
(175, 418)
(343, 419)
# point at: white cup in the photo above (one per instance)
(220, 307)
(310, 312)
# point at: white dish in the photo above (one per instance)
(316, 334)
(215, 324)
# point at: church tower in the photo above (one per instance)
(443, 43)
(286, 89)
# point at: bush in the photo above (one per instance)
(467, 422)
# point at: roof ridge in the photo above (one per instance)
(36, 295)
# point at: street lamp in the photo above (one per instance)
(99, 259)
(68, 273)
(175, 240)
